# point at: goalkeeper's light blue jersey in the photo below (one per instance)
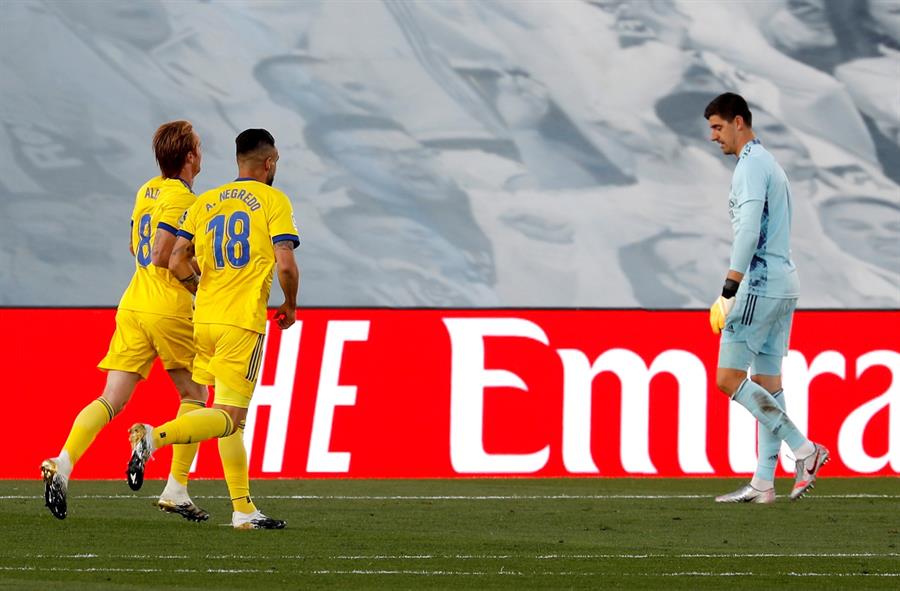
(760, 203)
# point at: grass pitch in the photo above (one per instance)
(465, 534)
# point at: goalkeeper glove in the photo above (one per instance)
(721, 308)
(718, 312)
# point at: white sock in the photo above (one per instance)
(64, 464)
(805, 450)
(760, 484)
(175, 491)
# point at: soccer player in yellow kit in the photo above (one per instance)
(238, 232)
(153, 320)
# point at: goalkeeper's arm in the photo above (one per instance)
(746, 236)
(746, 241)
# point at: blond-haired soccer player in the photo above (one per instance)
(239, 232)
(153, 320)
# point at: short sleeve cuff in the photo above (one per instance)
(168, 228)
(184, 234)
(284, 237)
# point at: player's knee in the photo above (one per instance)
(116, 400)
(723, 386)
(233, 424)
(728, 381)
(115, 404)
(194, 391)
(237, 415)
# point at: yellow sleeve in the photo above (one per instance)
(189, 224)
(134, 209)
(133, 236)
(170, 212)
(281, 220)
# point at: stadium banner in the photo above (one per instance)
(384, 393)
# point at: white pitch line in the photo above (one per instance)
(792, 574)
(740, 574)
(519, 497)
(449, 497)
(734, 555)
(501, 572)
(413, 557)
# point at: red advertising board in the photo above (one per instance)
(378, 393)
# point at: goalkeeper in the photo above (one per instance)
(754, 312)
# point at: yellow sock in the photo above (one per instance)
(183, 453)
(88, 423)
(234, 464)
(193, 427)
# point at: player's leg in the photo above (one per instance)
(234, 465)
(236, 370)
(728, 380)
(225, 355)
(234, 356)
(100, 411)
(174, 497)
(174, 341)
(235, 363)
(734, 360)
(234, 455)
(746, 338)
(191, 427)
(88, 423)
(193, 397)
(767, 444)
(761, 405)
(128, 360)
(814, 456)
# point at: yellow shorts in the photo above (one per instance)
(141, 337)
(229, 358)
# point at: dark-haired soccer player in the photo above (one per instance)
(757, 304)
(239, 232)
(153, 320)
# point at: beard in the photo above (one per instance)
(271, 178)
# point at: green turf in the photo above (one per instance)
(844, 535)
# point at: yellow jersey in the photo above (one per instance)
(234, 229)
(158, 207)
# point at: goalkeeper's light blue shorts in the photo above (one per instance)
(757, 334)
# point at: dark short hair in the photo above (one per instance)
(172, 143)
(728, 106)
(250, 140)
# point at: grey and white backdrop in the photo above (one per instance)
(473, 153)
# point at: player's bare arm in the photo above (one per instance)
(289, 279)
(180, 264)
(161, 250)
(734, 276)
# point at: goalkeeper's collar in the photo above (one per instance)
(746, 149)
